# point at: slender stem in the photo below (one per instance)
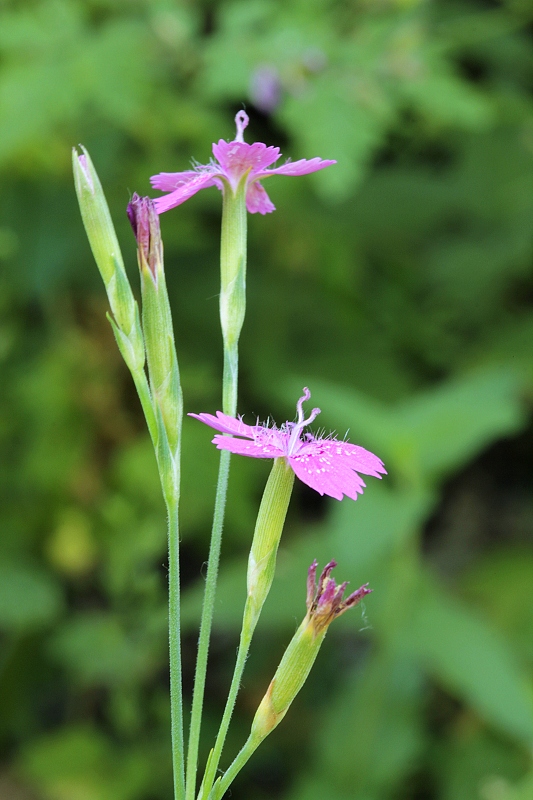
(233, 770)
(176, 692)
(174, 613)
(232, 310)
(143, 390)
(242, 655)
(176, 699)
(230, 381)
(206, 623)
(165, 428)
(229, 394)
(172, 503)
(261, 568)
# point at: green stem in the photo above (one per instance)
(143, 390)
(208, 607)
(206, 623)
(261, 568)
(242, 655)
(230, 381)
(233, 770)
(165, 429)
(232, 310)
(172, 503)
(176, 699)
(232, 281)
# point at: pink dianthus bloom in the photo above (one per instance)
(234, 160)
(327, 465)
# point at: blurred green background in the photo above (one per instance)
(397, 285)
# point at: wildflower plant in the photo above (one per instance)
(329, 466)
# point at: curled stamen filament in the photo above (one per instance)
(241, 121)
(297, 427)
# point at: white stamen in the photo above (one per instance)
(306, 396)
(298, 426)
(241, 121)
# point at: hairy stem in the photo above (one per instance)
(261, 568)
(233, 770)
(229, 392)
(176, 700)
(206, 623)
(232, 311)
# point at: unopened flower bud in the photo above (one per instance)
(267, 535)
(324, 603)
(144, 220)
(106, 251)
(156, 317)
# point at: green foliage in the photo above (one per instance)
(397, 285)
(470, 659)
(370, 757)
(80, 764)
(28, 597)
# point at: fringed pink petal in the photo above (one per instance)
(169, 181)
(302, 167)
(357, 458)
(183, 193)
(335, 480)
(237, 158)
(226, 424)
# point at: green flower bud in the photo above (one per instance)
(106, 251)
(267, 534)
(157, 319)
(102, 237)
(233, 262)
(232, 285)
(324, 604)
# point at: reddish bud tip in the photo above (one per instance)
(82, 160)
(311, 584)
(145, 224)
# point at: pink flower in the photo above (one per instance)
(235, 160)
(327, 465)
